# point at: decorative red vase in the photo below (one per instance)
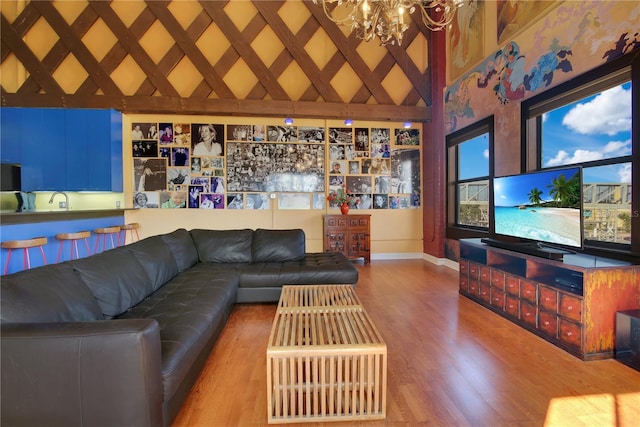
(344, 208)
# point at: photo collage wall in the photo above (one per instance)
(215, 166)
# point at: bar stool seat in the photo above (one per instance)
(132, 229)
(25, 245)
(73, 238)
(104, 232)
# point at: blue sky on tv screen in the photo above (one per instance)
(594, 128)
(514, 190)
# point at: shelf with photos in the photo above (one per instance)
(215, 166)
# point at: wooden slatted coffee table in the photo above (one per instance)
(326, 360)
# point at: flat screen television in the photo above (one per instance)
(544, 208)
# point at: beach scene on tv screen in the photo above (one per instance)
(543, 206)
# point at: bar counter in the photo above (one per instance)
(11, 217)
(28, 225)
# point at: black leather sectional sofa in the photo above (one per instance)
(118, 338)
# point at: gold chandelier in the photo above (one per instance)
(388, 19)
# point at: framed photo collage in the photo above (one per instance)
(216, 166)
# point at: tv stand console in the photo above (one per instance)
(571, 303)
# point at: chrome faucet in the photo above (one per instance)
(66, 198)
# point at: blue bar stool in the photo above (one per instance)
(73, 238)
(37, 242)
(104, 231)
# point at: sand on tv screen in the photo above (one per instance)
(542, 206)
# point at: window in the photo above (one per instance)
(469, 171)
(589, 122)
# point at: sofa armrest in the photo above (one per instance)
(102, 373)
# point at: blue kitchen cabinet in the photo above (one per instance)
(43, 149)
(10, 135)
(94, 150)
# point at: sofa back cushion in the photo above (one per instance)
(51, 293)
(156, 259)
(116, 279)
(223, 245)
(278, 245)
(182, 247)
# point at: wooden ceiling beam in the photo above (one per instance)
(227, 107)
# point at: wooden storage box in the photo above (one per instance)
(325, 359)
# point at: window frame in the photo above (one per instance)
(453, 141)
(618, 71)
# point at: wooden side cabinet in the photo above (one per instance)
(570, 303)
(349, 234)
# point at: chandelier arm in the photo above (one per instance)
(386, 18)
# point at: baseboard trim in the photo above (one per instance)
(399, 255)
(413, 255)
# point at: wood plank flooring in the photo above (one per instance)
(451, 363)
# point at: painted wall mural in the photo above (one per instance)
(543, 58)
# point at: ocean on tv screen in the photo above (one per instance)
(553, 225)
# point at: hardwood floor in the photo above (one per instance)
(450, 363)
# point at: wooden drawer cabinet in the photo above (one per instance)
(349, 234)
(533, 293)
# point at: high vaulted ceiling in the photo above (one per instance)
(239, 57)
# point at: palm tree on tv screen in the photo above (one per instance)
(534, 196)
(565, 193)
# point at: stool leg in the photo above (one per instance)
(112, 245)
(95, 250)
(137, 235)
(26, 262)
(6, 267)
(60, 251)
(74, 246)
(44, 258)
(86, 243)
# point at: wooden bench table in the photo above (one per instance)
(326, 360)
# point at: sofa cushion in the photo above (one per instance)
(182, 247)
(156, 258)
(191, 311)
(223, 245)
(116, 279)
(278, 245)
(52, 293)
